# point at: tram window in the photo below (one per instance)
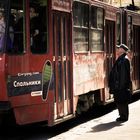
(96, 40)
(100, 18)
(118, 31)
(81, 26)
(80, 40)
(96, 30)
(16, 30)
(80, 13)
(96, 17)
(38, 29)
(2, 25)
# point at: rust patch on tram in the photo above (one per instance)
(88, 73)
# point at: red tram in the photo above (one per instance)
(55, 56)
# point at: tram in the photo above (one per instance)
(55, 56)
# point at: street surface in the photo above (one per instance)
(106, 128)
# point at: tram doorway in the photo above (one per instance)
(109, 50)
(136, 57)
(110, 45)
(62, 65)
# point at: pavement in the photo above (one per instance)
(106, 128)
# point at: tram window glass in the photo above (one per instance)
(2, 25)
(100, 18)
(96, 30)
(118, 31)
(38, 26)
(129, 31)
(94, 17)
(81, 24)
(96, 40)
(16, 28)
(80, 40)
(80, 12)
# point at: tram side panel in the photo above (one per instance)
(88, 55)
(28, 71)
(23, 68)
(92, 49)
(27, 66)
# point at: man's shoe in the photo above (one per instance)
(121, 120)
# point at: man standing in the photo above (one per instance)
(120, 83)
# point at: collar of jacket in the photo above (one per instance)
(121, 56)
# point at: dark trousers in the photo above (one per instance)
(123, 110)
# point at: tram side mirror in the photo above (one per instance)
(46, 78)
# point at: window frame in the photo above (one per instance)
(97, 28)
(89, 29)
(81, 27)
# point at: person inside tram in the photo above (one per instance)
(2, 29)
(34, 29)
(18, 35)
(10, 36)
(2, 24)
(11, 27)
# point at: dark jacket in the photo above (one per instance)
(119, 78)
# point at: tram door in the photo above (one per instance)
(136, 57)
(62, 65)
(110, 46)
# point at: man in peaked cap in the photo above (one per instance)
(123, 46)
(120, 83)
